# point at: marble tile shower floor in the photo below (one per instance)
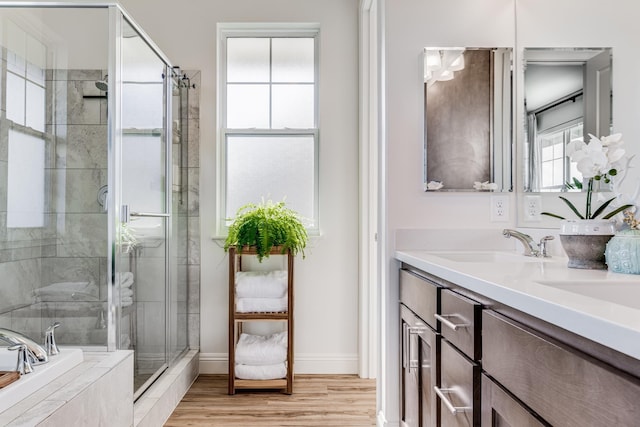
(317, 400)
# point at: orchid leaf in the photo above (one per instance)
(573, 208)
(616, 211)
(602, 208)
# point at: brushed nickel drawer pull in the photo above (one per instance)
(442, 394)
(418, 329)
(448, 323)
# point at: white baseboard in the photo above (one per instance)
(305, 363)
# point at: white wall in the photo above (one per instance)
(326, 321)
(411, 25)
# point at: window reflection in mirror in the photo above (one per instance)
(567, 96)
(468, 119)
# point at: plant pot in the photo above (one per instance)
(623, 252)
(585, 241)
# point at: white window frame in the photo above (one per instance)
(232, 30)
(565, 128)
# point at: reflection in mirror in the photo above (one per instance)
(567, 96)
(468, 119)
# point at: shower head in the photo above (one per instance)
(103, 84)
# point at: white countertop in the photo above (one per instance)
(608, 312)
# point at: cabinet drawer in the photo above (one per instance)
(420, 295)
(499, 409)
(563, 386)
(459, 394)
(460, 323)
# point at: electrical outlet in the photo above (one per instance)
(532, 208)
(499, 208)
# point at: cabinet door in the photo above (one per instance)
(429, 343)
(409, 374)
(499, 409)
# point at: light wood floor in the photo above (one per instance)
(317, 400)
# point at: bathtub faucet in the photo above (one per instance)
(36, 354)
(50, 345)
(24, 365)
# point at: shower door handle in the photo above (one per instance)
(148, 215)
(127, 214)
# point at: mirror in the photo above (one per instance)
(567, 95)
(468, 119)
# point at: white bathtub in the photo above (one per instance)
(41, 375)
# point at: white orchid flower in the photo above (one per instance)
(599, 156)
(575, 145)
(614, 139)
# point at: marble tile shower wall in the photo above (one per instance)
(71, 246)
(192, 113)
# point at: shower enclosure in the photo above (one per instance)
(93, 194)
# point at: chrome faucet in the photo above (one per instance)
(50, 345)
(543, 246)
(531, 248)
(24, 365)
(36, 354)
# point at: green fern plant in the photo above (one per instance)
(266, 225)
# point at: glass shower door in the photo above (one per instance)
(144, 268)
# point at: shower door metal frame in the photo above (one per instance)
(114, 129)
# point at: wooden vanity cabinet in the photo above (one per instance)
(496, 366)
(563, 386)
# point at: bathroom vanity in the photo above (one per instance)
(496, 338)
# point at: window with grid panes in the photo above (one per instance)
(269, 121)
(557, 169)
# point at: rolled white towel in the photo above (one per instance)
(261, 349)
(126, 293)
(261, 284)
(263, 372)
(126, 302)
(261, 305)
(125, 279)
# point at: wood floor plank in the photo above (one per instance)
(317, 400)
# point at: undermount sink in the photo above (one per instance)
(626, 293)
(484, 256)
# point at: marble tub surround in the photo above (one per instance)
(85, 395)
(601, 306)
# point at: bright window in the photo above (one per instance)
(268, 120)
(557, 169)
(25, 181)
(25, 108)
